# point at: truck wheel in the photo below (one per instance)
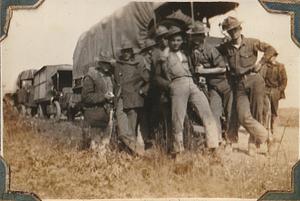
(58, 110)
(40, 111)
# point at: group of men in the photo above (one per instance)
(178, 68)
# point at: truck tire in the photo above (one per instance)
(58, 110)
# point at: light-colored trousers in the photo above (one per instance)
(182, 91)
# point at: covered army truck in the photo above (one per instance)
(53, 90)
(24, 94)
(134, 23)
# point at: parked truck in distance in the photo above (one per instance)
(53, 91)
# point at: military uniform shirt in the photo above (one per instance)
(243, 59)
(209, 57)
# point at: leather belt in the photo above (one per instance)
(240, 76)
(93, 106)
(181, 77)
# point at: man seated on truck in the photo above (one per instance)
(97, 95)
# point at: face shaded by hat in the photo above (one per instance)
(230, 23)
(147, 45)
(198, 28)
(197, 34)
(104, 62)
(161, 31)
(127, 50)
(173, 31)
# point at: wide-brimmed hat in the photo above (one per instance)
(147, 44)
(198, 28)
(161, 31)
(230, 23)
(174, 30)
(126, 44)
(104, 57)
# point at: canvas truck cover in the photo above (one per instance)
(25, 75)
(134, 22)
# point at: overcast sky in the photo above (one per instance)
(48, 35)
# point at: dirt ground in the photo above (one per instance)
(44, 158)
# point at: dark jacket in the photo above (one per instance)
(275, 77)
(132, 77)
(95, 85)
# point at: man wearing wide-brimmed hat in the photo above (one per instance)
(241, 55)
(162, 45)
(145, 54)
(177, 79)
(97, 95)
(132, 77)
(275, 77)
(208, 62)
(161, 41)
(159, 107)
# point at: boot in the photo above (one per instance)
(133, 145)
(178, 143)
(251, 149)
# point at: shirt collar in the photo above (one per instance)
(242, 43)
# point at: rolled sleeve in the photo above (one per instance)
(216, 58)
(267, 49)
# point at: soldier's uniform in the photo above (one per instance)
(175, 76)
(132, 78)
(146, 120)
(276, 80)
(96, 107)
(219, 90)
(159, 103)
(250, 86)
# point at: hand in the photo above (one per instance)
(141, 92)
(113, 61)
(202, 80)
(199, 68)
(109, 95)
(257, 67)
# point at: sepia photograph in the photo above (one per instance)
(132, 99)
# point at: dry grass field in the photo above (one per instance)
(44, 158)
